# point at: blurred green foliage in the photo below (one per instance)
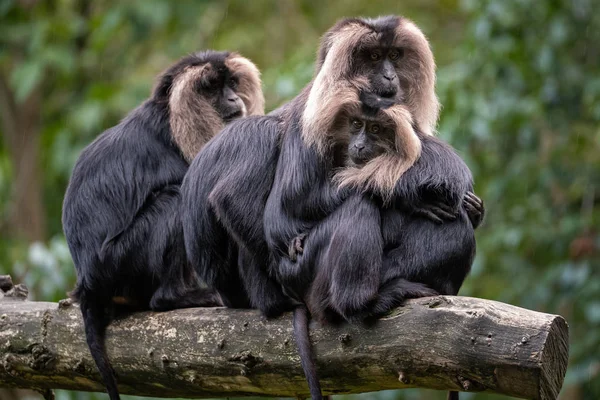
(519, 81)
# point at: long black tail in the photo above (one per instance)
(95, 321)
(306, 355)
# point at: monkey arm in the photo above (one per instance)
(302, 194)
(304, 183)
(436, 184)
(157, 205)
(160, 229)
(435, 211)
(440, 212)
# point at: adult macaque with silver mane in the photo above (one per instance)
(388, 59)
(121, 212)
(226, 188)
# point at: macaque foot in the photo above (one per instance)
(296, 247)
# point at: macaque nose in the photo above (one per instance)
(359, 147)
(233, 99)
(390, 77)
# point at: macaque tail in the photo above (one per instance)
(95, 321)
(307, 360)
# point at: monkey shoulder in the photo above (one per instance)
(117, 173)
(117, 159)
(249, 143)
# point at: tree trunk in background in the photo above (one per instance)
(21, 131)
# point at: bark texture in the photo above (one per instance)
(456, 343)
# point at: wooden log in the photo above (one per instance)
(445, 343)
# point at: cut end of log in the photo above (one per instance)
(555, 357)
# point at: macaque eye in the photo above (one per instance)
(357, 124)
(375, 56)
(374, 128)
(396, 54)
(233, 82)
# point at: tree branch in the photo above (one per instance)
(444, 343)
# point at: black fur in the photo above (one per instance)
(364, 257)
(301, 196)
(344, 282)
(417, 249)
(224, 197)
(304, 349)
(223, 200)
(226, 189)
(228, 184)
(367, 256)
(121, 219)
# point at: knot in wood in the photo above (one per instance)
(469, 384)
(41, 357)
(466, 384)
(79, 367)
(18, 292)
(403, 378)
(247, 358)
(8, 363)
(345, 338)
(65, 303)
